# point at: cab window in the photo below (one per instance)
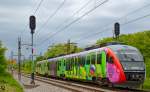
(110, 60)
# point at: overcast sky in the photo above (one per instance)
(14, 19)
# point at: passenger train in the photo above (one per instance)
(116, 64)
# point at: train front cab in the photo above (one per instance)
(114, 70)
(125, 66)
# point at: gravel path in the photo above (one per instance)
(39, 87)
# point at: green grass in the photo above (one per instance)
(9, 84)
(146, 84)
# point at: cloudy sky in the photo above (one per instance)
(60, 20)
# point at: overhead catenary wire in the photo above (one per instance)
(132, 12)
(37, 8)
(108, 29)
(66, 21)
(34, 12)
(73, 22)
(50, 17)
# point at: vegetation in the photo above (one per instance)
(54, 51)
(61, 49)
(27, 66)
(141, 40)
(7, 82)
(58, 50)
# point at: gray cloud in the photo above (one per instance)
(14, 16)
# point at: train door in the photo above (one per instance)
(103, 64)
(93, 66)
(63, 67)
(46, 68)
(74, 67)
(112, 73)
(58, 68)
(77, 67)
(67, 68)
(98, 65)
(71, 72)
(48, 65)
(87, 67)
(82, 68)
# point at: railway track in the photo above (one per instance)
(81, 87)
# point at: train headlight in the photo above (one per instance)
(141, 68)
(125, 68)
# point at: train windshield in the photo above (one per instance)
(129, 55)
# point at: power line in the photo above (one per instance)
(136, 19)
(71, 16)
(132, 12)
(73, 21)
(34, 12)
(123, 24)
(38, 7)
(50, 17)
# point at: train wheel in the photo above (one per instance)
(100, 83)
(110, 85)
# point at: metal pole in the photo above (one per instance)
(32, 74)
(32, 25)
(19, 58)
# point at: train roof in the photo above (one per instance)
(75, 54)
(119, 47)
(112, 47)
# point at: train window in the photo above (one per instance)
(110, 60)
(76, 60)
(58, 65)
(73, 61)
(79, 60)
(48, 65)
(83, 60)
(88, 60)
(130, 56)
(93, 57)
(67, 66)
(99, 57)
(59, 62)
(64, 62)
(70, 63)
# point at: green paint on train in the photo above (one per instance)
(88, 66)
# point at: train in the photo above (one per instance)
(114, 64)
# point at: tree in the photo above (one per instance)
(3, 64)
(140, 40)
(60, 49)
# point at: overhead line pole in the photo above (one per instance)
(69, 46)
(19, 58)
